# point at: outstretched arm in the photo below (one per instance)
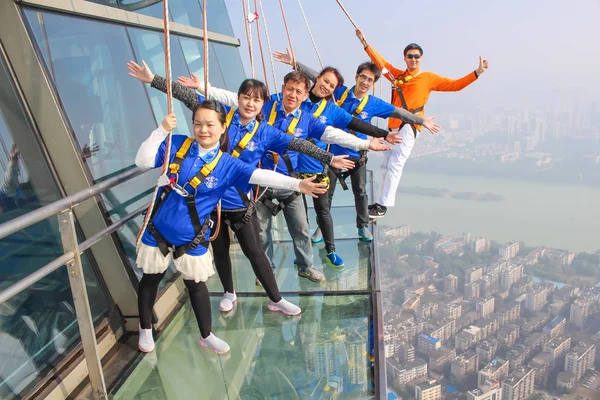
(385, 67)
(186, 95)
(286, 58)
(265, 177)
(442, 84)
(333, 135)
(311, 73)
(313, 151)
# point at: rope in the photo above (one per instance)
(262, 12)
(262, 54)
(205, 34)
(169, 111)
(287, 31)
(347, 15)
(248, 37)
(310, 34)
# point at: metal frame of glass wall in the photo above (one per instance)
(67, 65)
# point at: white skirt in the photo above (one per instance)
(193, 268)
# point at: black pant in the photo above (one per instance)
(324, 220)
(358, 176)
(249, 239)
(198, 297)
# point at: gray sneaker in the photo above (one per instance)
(312, 274)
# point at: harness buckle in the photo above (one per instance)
(180, 190)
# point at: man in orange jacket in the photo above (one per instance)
(410, 90)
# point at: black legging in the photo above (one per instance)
(249, 239)
(198, 297)
(324, 220)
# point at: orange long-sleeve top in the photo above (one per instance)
(416, 89)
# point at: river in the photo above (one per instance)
(560, 216)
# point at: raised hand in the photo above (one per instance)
(88, 152)
(342, 162)
(483, 66)
(377, 144)
(14, 152)
(307, 186)
(193, 82)
(285, 58)
(431, 125)
(170, 122)
(394, 138)
(141, 73)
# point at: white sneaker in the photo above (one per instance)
(145, 340)
(215, 344)
(226, 303)
(285, 307)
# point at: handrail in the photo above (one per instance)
(33, 217)
(63, 209)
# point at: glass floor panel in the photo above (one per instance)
(355, 274)
(321, 354)
(344, 224)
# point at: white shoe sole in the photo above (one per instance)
(146, 351)
(217, 352)
(273, 308)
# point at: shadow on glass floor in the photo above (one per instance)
(321, 354)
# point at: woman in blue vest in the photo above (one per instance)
(199, 174)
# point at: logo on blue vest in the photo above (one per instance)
(323, 119)
(298, 132)
(364, 115)
(211, 181)
(252, 145)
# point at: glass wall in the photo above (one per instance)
(111, 113)
(186, 12)
(39, 325)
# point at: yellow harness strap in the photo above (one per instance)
(206, 170)
(360, 107)
(174, 166)
(290, 130)
(237, 151)
(320, 109)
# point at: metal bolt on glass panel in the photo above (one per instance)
(66, 226)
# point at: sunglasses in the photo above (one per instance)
(411, 56)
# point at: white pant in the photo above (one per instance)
(393, 164)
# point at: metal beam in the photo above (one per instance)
(106, 13)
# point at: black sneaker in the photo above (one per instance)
(377, 211)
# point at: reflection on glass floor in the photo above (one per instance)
(355, 275)
(321, 354)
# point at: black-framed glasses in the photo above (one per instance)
(411, 56)
(366, 78)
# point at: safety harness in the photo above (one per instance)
(396, 86)
(363, 153)
(237, 152)
(200, 229)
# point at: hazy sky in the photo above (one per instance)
(542, 54)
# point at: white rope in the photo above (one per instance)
(250, 41)
(310, 34)
(262, 13)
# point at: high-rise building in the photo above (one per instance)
(537, 298)
(473, 274)
(450, 283)
(556, 327)
(580, 359)
(480, 245)
(558, 348)
(486, 350)
(465, 365)
(405, 352)
(427, 343)
(490, 390)
(580, 310)
(519, 385)
(428, 391)
(495, 370)
(485, 307)
(472, 290)
(511, 275)
(509, 251)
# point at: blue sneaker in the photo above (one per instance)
(334, 260)
(365, 235)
